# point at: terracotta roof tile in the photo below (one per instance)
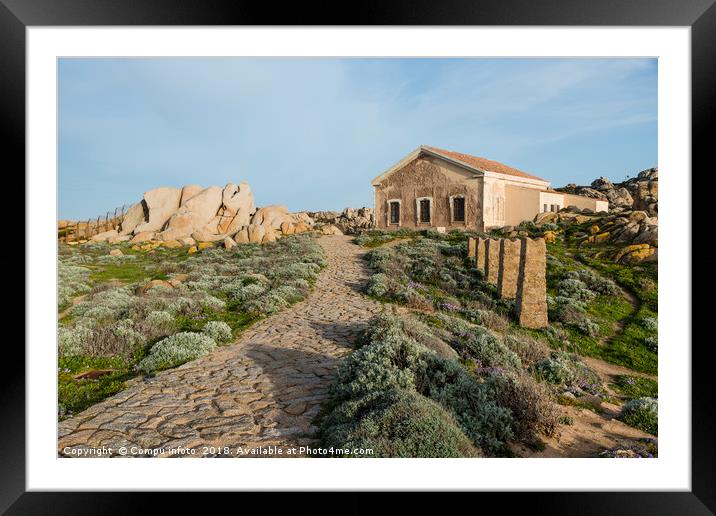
(483, 163)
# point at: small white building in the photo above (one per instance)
(436, 187)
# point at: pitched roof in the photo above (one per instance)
(483, 164)
(472, 164)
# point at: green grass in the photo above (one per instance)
(144, 267)
(128, 272)
(626, 349)
(631, 387)
(238, 321)
(77, 395)
(641, 280)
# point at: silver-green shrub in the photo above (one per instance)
(218, 330)
(642, 413)
(158, 323)
(650, 323)
(392, 360)
(72, 281)
(72, 341)
(104, 307)
(567, 369)
(176, 350)
(396, 423)
(576, 289)
(273, 301)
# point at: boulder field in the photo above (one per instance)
(191, 214)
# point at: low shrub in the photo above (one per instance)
(73, 281)
(479, 344)
(642, 413)
(72, 340)
(386, 327)
(379, 258)
(218, 330)
(273, 301)
(562, 368)
(489, 351)
(650, 323)
(380, 284)
(176, 350)
(158, 323)
(212, 303)
(242, 292)
(595, 282)
(396, 423)
(119, 339)
(576, 289)
(572, 313)
(642, 448)
(104, 307)
(566, 420)
(531, 403)
(487, 318)
(528, 349)
(388, 362)
(392, 360)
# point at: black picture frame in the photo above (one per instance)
(700, 15)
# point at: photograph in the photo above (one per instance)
(357, 257)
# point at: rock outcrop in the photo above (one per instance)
(632, 221)
(638, 193)
(350, 221)
(159, 205)
(193, 215)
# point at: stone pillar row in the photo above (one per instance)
(519, 270)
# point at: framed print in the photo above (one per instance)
(433, 245)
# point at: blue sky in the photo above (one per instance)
(312, 133)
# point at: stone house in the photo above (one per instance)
(433, 187)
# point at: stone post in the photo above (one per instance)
(531, 299)
(471, 247)
(492, 260)
(480, 254)
(509, 268)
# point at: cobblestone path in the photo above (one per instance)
(263, 390)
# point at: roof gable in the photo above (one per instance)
(474, 164)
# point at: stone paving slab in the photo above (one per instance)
(263, 390)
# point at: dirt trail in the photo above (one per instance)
(263, 390)
(66, 311)
(590, 434)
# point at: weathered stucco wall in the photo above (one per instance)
(428, 176)
(499, 209)
(585, 202)
(550, 198)
(522, 204)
